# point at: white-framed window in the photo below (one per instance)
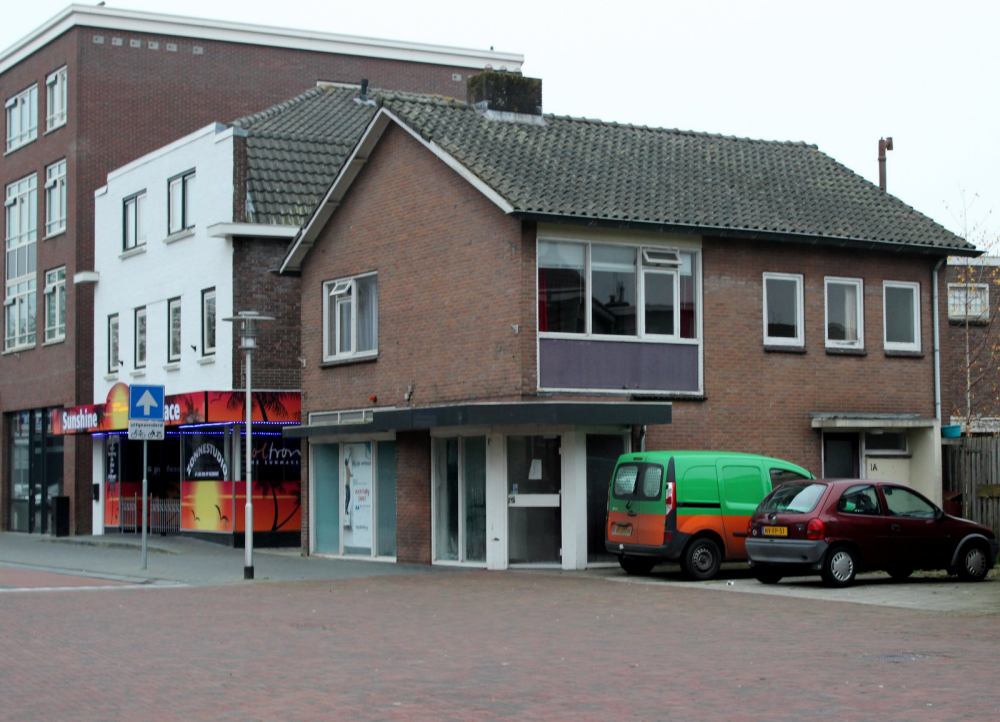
(783, 310)
(55, 305)
(901, 315)
(55, 99)
(55, 198)
(208, 322)
(113, 358)
(179, 193)
(350, 317)
(21, 207)
(845, 324)
(22, 118)
(969, 301)
(174, 329)
(140, 338)
(617, 291)
(134, 214)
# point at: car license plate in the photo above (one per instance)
(621, 529)
(774, 531)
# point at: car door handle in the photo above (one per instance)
(633, 513)
(895, 527)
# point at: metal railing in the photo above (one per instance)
(164, 516)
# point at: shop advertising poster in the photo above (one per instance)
(357, 478)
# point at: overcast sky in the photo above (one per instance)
(837, 74)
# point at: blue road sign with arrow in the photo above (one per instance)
(145, 413)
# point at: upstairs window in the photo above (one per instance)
(174, 330)
(179, 212)
(22, 118)
(113, 357)
(901, 312)
(350, 317)
(140, 338)
(55, 305)
(845, 313)
(55, 198)
(783, 317)
(55, 99)
(22, 233)
(208, 322)
(969, 302)
(135, 221)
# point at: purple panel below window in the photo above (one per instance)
(590, 364)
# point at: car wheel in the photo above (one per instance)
(973, 563)
(702, 559)
(767, 576)
(639, 567)
(900, 574)
(839, 567)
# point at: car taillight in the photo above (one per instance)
(669, 494)
(750, 527)
(815, 529)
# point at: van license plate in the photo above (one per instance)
(622, 530)
(775, 531)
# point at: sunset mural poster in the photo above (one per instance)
(218, 506)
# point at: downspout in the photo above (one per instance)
(937, 340)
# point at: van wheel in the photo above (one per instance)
(702, 559)
(639, 567)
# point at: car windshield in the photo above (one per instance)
(794, 497)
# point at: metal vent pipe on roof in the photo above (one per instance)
(364, 91)
(884, 144)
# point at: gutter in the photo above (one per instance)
(937, 339)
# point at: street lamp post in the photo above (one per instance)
(248, 341)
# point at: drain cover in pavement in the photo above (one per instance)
(891, 656)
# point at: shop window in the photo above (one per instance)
(459, 499)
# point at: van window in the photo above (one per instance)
(795, 497)
(648, 489)
(625, 481)
(652, 482)
(781, 476)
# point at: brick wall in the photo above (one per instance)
(413, 497)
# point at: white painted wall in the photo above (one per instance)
(97, 475)
(182, 268)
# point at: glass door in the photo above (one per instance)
(534, 500)
(460, 499)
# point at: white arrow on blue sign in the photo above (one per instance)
(145, 403)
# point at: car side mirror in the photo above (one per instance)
(939, 514)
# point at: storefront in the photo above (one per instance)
(195, 476)
(35, 464)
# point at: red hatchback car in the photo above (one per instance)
(839, 528)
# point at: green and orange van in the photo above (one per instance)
(690, 507)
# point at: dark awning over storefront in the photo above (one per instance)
(509, 414)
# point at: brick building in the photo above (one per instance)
(496, 303)
(88, 92)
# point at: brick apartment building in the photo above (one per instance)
(89, 91)
(496, 303)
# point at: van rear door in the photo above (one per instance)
(742, 486)
(636, 504)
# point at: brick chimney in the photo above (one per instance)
(505, 92)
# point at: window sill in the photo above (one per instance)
(333, 363)
(18, 349)
(132, 252)
(833, 351)
(55, 341)
(888, 455)
(18, 147)
(772, 348)
(137, 372)
(55, 234)
(111, 377)
(179, 236)
(972, 321)
(205, 360)
(172, 366)
(904, 354)
(54, 128)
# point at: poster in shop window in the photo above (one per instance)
(357, 478)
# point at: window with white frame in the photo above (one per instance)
(174, 329)
(606, 290)
(22, 118)
(350, 317)
(55, 99)
(140, 338)
(55, 198)
(134, 211)
(22, 233)
(113, 359)
(901, 314)
(55, 305)
(845, 313)
(969, 302)
(179, 213)
(208, 322)
(783, 314)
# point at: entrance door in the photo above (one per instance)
(534, 500)
(840, 456)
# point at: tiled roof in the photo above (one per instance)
(296, 148)
(586, 169)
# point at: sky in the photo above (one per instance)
(839, 75)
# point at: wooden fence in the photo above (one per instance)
(972, 474)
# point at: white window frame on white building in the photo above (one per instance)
(141, 336)
(208, 322)
(21, 206)
(854, 338)
(22, 118)
(799, 339)
(114, 359)
(966, 306)
(55, 305)
(134, 219)
(55, 99)
(901, 346)
(346, 305)
(179, 215)
(55, 198)
(174, 330)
